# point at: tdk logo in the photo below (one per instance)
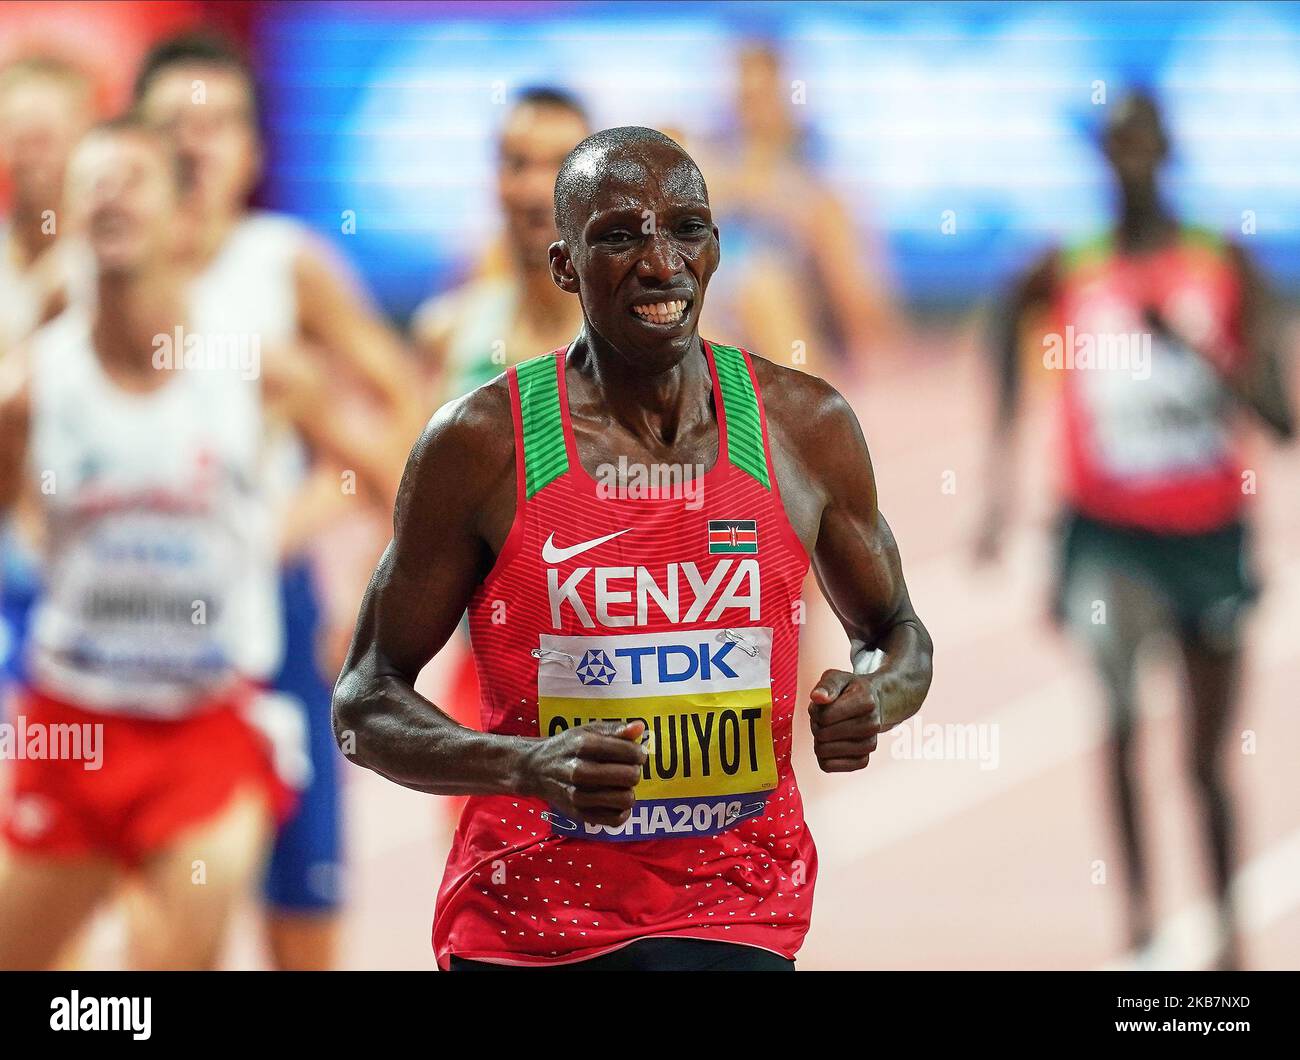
(595, 668)
(678, 662)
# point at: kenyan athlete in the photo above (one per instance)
(633, 803)
(1154, 525)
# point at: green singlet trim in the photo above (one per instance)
(744, 425)
(545, 455)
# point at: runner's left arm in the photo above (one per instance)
(1263, 381)
(857, 564)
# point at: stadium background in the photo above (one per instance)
(389, 110)
(984, 109)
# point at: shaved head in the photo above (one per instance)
(623, 153)
(1136, 108)
(1135, 141)
(637, 244)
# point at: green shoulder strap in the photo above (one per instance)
(1086, 251)
(740, 409)
(545, 456)
(1206, 238)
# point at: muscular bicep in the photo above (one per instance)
(856, 558)
(438, 554)
(412, 605)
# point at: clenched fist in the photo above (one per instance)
(589, 772)
(846, 719)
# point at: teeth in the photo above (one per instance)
(661, 312)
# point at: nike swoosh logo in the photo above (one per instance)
(551, 554)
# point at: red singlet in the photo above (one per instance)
(1149, 429)
(679, 607)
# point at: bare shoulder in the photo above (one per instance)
(804, 409)
(317, 260)
(818, 451)
(478, 422)
(326, 283)
(464, 458)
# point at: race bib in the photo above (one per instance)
(705, 697)
(1166, 425)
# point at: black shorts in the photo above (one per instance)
(656, 955)
(1206, 580)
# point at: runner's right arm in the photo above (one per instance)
(455, 501)
(1032, 290)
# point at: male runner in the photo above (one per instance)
(1154, 494)
(45, 107)
(150, 481)
(800, 268)
(265, 274)
(603, 612)
(471, 334)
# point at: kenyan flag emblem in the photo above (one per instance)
(732, 536)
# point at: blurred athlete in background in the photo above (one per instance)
(798, 267)
(159, 605)
(512, 309)
(266, 274)
(1153, 534)
(46, 105)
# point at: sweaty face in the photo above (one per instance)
(41, 120)
(533, 145)
(207, 113)
(124, 193)
(645, 249)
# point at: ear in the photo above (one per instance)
(562, 270)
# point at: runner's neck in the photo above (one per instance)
(1144, 222)
(131, 312)
(655, 409)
